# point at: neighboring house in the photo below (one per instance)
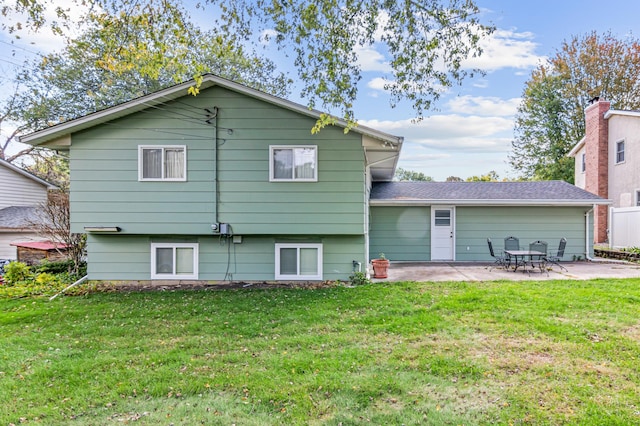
(232, 185)
(20, 195)
(607, 160)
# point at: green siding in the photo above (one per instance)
(401, 233)
(128, 257)
(104, 172)
(475, 224)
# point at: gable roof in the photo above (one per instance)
(382, 156)
(26, 174)
(542, 193)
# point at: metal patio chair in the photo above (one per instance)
(500, 259)
(511, 243)
(555, 259)
(538, 261)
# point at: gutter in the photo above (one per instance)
(586, 239)
(484, 203)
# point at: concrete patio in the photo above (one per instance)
(463, 271)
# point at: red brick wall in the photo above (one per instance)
(597, 162)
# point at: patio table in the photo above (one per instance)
(523, 254)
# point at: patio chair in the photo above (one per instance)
(511, 243)
(538, 261)
(555, 259)
(500, 259)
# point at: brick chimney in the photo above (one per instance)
(597, 162)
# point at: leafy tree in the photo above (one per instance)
(426, 41)
(404, 175)
(550, 118)
(10, 128)
(454, 179)
(86, 76)
(492, 176)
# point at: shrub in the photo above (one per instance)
(16, 272)
(359, 278)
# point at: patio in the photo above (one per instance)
(474, 271)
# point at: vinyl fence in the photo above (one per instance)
(624, 227)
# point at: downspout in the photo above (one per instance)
(586, 240)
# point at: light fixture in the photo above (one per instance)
(229, 131)
(102, 229)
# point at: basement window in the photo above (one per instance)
(298, 261)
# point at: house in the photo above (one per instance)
(451, 221)
(232, 185)
(20, 194)
(607, 162)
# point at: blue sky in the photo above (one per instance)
(470, 131)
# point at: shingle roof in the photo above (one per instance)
(484, 193)
(17, 217)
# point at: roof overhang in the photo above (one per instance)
(27, 174)
(381, 158)
(491, 203)
(58, 135)
(576, 148)
(613, 112)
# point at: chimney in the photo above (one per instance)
(596, 147)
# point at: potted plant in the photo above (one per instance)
(380, 266)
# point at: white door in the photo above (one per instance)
(442, 233)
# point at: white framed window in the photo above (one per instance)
(162, 163)
(174, 261)
(584, 162)
(293, 163)
(619, 152)
(637, 198)
(298, 261)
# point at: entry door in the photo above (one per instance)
(442, 233)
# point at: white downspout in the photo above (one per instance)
(586, 240)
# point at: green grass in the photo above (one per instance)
(552, 352)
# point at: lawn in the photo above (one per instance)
(552, 352)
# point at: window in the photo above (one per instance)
(174, 261)
(298, 261)
(442, 218)
(584, 162)
(619, 152)
(638, 198)
(162, 163)
(293, 163)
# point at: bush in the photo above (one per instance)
(16, 272)
(359, 278)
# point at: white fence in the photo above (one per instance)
(624, 227)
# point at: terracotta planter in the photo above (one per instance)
(380, 268)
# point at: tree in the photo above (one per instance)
(10, 129)
(79, 80)
(550, 118)
(52, 222)
(492, 176)
(403, 175)
(454, 179)
(426, 42)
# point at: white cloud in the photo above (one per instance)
(506, 49)
(485, 106)
(370, 59)
(267, 36)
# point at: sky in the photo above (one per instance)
(469, 132)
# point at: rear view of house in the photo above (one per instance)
(226, 185)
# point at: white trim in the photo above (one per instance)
(174, 276)
(163, 148)
(298, 246)
(272, 148)
(576, 148)
(612, 112)
(483, 203)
